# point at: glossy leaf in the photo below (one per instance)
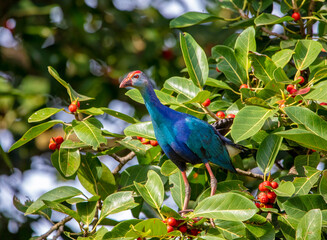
(92, 111)
(71, 92)
(305, 138)
(267, 152)
(263, 67)
(319, 92)
(323, 185)
(86, 210)
(231, 229)
(43, 114)
(96, 177)
(168, 168)
(120, 230)
(226, 206)
(243, 45)
(311, 160)
(309, 228)
(153, 191)
(192, 18)
(249, 121)
(304, 184)
(260, 228)
(62, 208)
(287, 226)
(228, 64)
(306, 51)
(195, 60)
(178, 189)
(138, 174)
(119, 115)
(89, 132)
(270, 19)
(151, 228)
(33, 132)
(285, 189)
(117, 202)
(280, 76)
(182, 86)
(217, 83)
(69, 144)
(69, 161)
(298, 206)
(143, 129)
(135, 145)
(282, 57)
(59, 194)
(309, 119)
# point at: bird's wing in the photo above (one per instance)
(205, 143)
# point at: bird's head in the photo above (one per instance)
(135, 79)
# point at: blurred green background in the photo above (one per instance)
(91, 43)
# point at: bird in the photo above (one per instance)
(182, 137)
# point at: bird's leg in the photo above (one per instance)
(213, 185)
(187, 193)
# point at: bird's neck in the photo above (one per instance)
(151, 101)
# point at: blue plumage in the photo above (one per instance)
(183, 137)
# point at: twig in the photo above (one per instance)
(266, 30)
(122, 161)
(249, 174)
(59, 232)
(310, 11)
(55, 227)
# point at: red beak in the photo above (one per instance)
(127, 82)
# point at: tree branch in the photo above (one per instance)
(249, 174)
(310, 11)
(55, 227)
(266, 30)
(122, 161)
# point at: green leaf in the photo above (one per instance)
(249, 121)
(86, 210)
(228, 64)
(69, 144)
(267, 152)
(195, 60)
(117, 202)
(33, 132)
(120, 230)
(182, 86)
(311, 160)
(168, 212)
(178, 189)
(168, 168)
(282, 57)
(309, 227)
(306, 51)
(69, 161)
(153, 191)
(303, 185)
(243, 45)
(217, 83)
(260, 228)
(164, 98)
(143, 129)
(89, 132)
(298, 206)
(285, 189)
(135, 145)
(59, 194)
(323, 185)
(43, 114)
(287, 226)
(309, 119)
(280, 76)
(71, 92)
(305, 138)
(231, 229)
(119, 115)
(226, 206)
(263, 67)
(192, 18)
(152, 228)
(200, 97)
(319, 92)
(63, 209)
(92, 111)
(135, 95)
(96, 177)
(138, 174)
(270, 19)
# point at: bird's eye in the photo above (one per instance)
(136, 76)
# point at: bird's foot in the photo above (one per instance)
(182, 212)
(212, 223)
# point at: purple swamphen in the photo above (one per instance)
(183, 137)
